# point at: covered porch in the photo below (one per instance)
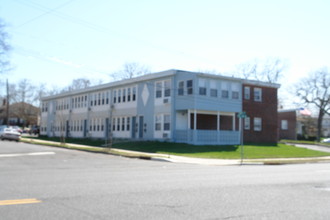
(207, 127)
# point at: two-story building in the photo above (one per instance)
(173, 105)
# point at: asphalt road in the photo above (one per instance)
(69, 184)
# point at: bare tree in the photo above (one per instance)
(4, 49)
(315, 90)
(130, 70)
(269, 70)
(80, 83)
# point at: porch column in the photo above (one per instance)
(195, 127)
(234, 122)
(195, 119)
(218, 127)
(188, 129)
(189, 119)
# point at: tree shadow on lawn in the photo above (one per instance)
(180, 148)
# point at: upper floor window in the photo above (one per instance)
(189, 87)
(124, 95)
(246, 92)
(235, 91)
(167, 88)
(114, 96)
(128, 94)
(224, 90)
(202, 86)
(181, 88)
(213, 90)
(257, 94)
(158, 89)
(134, 94)
(119, 95)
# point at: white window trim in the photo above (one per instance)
(256, 124)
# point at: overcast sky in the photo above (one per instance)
(57, 41)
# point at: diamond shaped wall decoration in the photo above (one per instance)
(145, 94)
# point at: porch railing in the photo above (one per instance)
(211, 137)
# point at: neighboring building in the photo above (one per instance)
(173, 105)
(21, 114)
(297, 124)
(287, 124)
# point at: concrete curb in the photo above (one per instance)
(187, 160)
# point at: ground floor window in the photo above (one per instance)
(257, 124)
(162, 122)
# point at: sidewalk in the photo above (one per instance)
(182, 159)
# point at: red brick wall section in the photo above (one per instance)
(291, 118)
(266, 110)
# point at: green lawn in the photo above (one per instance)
(254, 151)
(221, 152)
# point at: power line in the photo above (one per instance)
(106, 30)
(47, 12)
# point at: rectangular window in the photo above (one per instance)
(284, 124)
(119, 95)
(124, 95)
(123, 124)
(128, 121)
(167, 126)
(257, 94)
(107, 98)
(134, 94)
(114, 96)
(190, 87)
(95, 99)
(129, 94)
(167, 87)
(114, 124)
(181, 88)
(257, 124)
(158, 122)
(103, 98)
(202, 86)
(235, 91)
(158, 89)
(213, 90)
(247, 123)
(224, 90)
(246, 92)
(91, 98)
(214, 93)
(118, 124)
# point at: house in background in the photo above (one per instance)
(296, 124)
(174, 105)
(21, 114)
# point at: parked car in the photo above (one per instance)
(326, 140)
(18, 129)
(9, 134)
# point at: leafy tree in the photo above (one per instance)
(315, 90)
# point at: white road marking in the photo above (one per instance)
(27, 154)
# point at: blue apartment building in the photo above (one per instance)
(173, 105)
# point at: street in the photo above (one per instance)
(53, 183)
